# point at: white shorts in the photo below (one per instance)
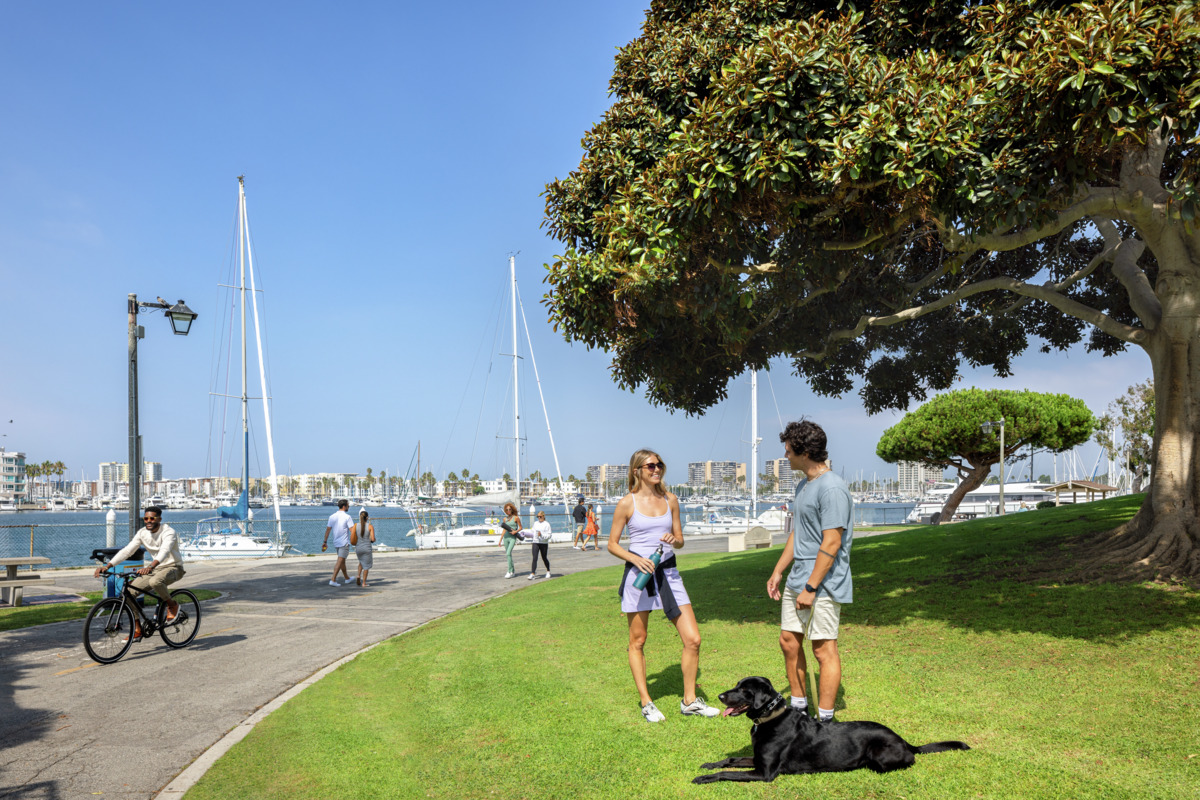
(825, 613)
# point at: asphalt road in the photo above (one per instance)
(71, 728)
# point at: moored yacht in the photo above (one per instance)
(983, 501)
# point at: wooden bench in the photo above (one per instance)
(756, 538)
(13, 583)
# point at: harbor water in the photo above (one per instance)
(67, 538)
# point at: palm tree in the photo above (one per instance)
(383, 481)
(31, 474)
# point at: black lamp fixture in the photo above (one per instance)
(181, 318)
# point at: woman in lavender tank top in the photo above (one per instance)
(651, 515)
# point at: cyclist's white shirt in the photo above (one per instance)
(163, 546)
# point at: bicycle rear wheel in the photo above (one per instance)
(185, 626)
(108, 631)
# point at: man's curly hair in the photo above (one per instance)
(806, 438)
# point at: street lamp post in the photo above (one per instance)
(987, 428)
(181, 318)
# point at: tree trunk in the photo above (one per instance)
(1161, 541)
(970, 482)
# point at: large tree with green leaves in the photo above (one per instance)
(946, 432)
(884, 190)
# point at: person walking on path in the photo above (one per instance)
(651, 514)
(579, 513)
(541, 545)
(362, 537)
(511, 526)
(590, 531)
(339, 525)
(166, 565)
(819, 583)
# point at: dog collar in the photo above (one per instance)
(774, 709)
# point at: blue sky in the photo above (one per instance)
(394, 156)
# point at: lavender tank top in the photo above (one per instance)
(645, 533)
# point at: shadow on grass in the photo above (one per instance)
(977, 576)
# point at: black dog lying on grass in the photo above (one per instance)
(789, 742)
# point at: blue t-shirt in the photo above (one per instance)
(821, 504)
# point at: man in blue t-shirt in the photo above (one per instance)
(818, 548)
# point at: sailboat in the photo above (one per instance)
(436, 530)
(773, 519)
(231, 534)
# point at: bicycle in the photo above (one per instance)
(108, 632)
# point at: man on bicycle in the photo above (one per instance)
(162, 544)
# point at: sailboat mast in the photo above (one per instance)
(545, 411)
(754, 443)
(242, 289)
(262, 372)
(512, 269)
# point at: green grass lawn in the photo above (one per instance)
(1062, 690)
(28, 616)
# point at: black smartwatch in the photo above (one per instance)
(809, 588)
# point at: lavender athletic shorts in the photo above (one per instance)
(640, 600)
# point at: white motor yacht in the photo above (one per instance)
(773, 519)
(983, 501)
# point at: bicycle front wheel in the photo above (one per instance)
(108, 631)
(180, 631)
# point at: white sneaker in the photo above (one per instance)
(547, 575)
(334, 583)
(347, 582)
(510, 574)
(652, 714)
(532, 576)
(697, 708)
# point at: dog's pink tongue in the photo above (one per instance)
(726, 712)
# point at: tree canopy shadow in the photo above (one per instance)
(985, 576)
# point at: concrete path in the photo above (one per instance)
(71, 728)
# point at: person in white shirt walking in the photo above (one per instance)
(166, 565)
(541, 545)
(339, 524)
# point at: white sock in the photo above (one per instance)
(800, 703)
(824, 714)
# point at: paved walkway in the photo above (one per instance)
(67, 724)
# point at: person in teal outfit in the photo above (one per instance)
(511, 526)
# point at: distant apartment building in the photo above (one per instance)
(914, 478)
(12, 475)
(716, 475)
(609, 478)
(114, 477)
(151, 471)
(781, 470)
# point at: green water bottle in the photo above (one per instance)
(644, 577)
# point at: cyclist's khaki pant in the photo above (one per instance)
(158, 581)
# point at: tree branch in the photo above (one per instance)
(1093, 202)
(1047, 294)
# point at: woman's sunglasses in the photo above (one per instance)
(654, 465)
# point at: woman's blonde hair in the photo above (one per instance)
(635, 472)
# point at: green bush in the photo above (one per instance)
(1046, 504)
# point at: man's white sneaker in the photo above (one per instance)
(652, 714)
(697, 708)
(510, 574)
(334, 583)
